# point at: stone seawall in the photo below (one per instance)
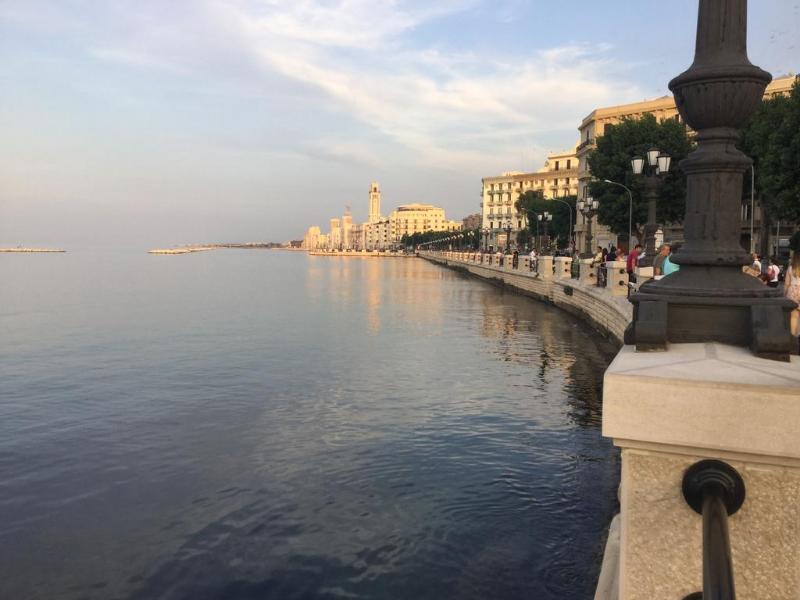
(606, 308)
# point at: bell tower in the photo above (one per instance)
(374, 202)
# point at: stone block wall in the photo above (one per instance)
(606, 311)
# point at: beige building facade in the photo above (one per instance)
(311, 238)
(409, 219)
(594, 124)
(558, 178)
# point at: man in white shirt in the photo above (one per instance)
(534, 260)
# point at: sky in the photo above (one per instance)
(179, 121)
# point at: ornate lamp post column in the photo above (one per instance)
(657, 167)
(710, 298)
(508, 229)
(589, 209)
(485, 232)
(544, 218)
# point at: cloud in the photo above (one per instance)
(360, 61)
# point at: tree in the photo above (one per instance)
(533, 203)
(772, 139)
(611, 160)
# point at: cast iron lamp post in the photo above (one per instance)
(544, 218)
(485, 232)
(589, 209)
(710, 299)
(630, 209)
(508, 229)
(653, 172)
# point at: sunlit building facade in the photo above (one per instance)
(558, 178)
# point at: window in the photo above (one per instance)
(519, 224)
(569, 163)
(556, 165)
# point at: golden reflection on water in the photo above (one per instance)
(354, 283)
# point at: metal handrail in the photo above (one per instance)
(715, 490)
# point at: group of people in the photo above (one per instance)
(771, 274)
(664, 265)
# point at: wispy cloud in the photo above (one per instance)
(360, 58)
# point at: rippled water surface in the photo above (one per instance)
(263, 424)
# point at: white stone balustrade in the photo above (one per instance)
(617, 278)
(588, 272)
(545, 267)
(643, 275)
(563, 267)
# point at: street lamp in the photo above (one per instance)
(485, 232)
(710, 299)
(630, 210)
(652, 171)
(589, 209)
(508, 229)
(544, 219)
(571, 225)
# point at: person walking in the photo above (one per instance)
(791, 289)
(534, 260)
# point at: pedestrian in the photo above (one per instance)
(773, 273)
(668, 267)
(598, 256)
(534, 260)
(791, 289)
(756, 263)
(658, 262)
(605, 255)
(633, 262)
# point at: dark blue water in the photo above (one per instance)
(262, 424)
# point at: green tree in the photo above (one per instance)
(772, 140)
(533, 203)
(611, 160)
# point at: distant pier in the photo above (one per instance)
(32, 250)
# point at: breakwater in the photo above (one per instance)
(605, 307)
(23, 250)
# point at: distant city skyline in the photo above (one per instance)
(244, 120)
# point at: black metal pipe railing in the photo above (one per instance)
(715, 490)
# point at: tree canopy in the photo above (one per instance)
(611, 160)
(772, 140)
(533, 203)
(418, 238)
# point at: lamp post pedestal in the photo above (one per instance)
(710, 298)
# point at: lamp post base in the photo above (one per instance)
(739, 310)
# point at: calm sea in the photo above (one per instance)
(264, 424)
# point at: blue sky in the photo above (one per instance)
(164, 122)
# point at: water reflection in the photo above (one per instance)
(416, 435)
